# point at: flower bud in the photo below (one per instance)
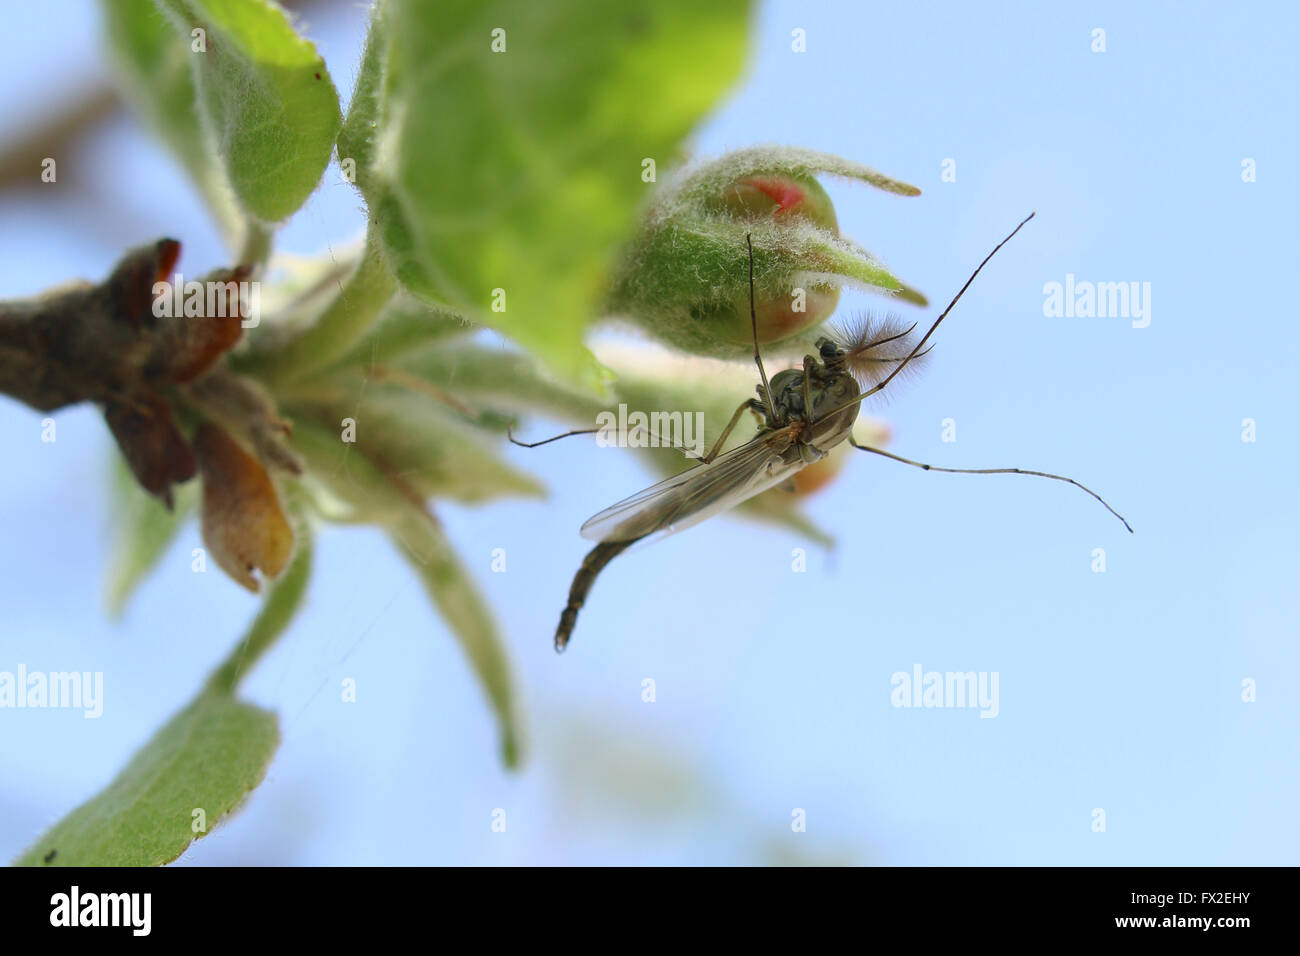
(686, 278)
(775, 196)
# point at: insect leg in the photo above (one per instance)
(991, 471)
(592, 565)
(753, 326)
(808, 362)
(717, 445)
(592, 431)
(546, 441)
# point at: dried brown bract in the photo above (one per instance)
(156, 374)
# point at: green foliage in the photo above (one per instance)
(520, 170)
(143, 529)
(373, 491)
(265, 97)
(421, 444)
(450, 587)
(406, 325)
(500, 149)
(514, 386)
(208, 757)
(155, 68)
(337, 328)
(277, 613)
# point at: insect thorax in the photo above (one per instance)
(829, 388)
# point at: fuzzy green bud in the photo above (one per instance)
(686, 277)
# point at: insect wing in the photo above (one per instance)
(698, 493)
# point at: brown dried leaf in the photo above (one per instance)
(186, 346)
(152, 445)
(243, 524)
(130, 287)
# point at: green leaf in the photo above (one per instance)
(143, 530)
(406, 326)
(342, 310)
(266, 97)
(507, 382)
(386, 498)
(155, 70)
(522, 170)
(209, 757)
(356, 142)
(338, 328)
(453, 591)
(410, 436)
(276, 614)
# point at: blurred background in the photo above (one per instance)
(1120, 690)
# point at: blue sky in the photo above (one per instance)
(1118, 690)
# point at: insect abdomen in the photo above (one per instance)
(592, 565)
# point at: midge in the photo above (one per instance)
(806, 412)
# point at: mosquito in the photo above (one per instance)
(805, 413)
